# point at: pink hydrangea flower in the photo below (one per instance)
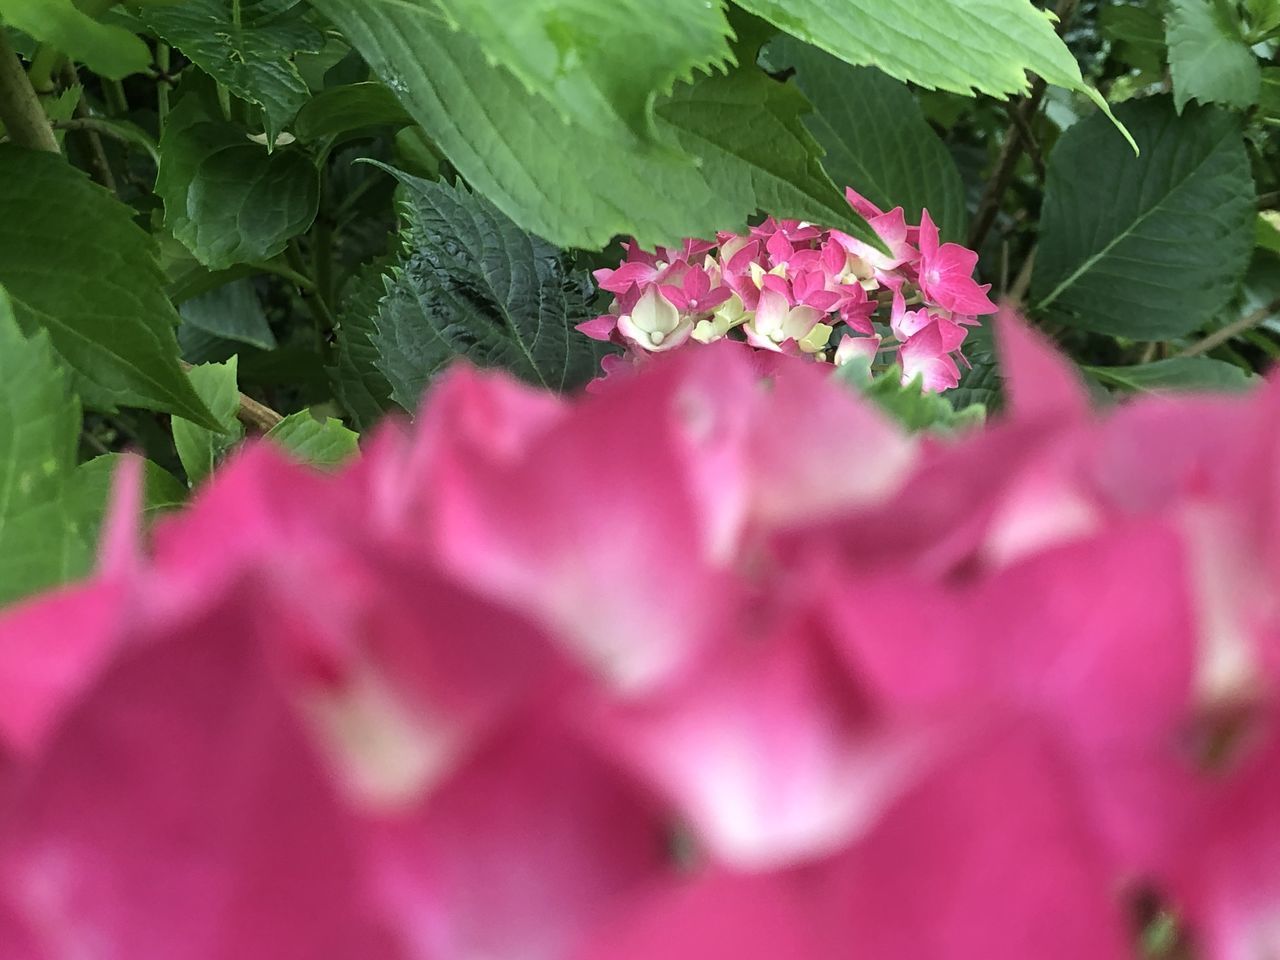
(793, 287)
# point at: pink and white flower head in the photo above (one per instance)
(793, 287)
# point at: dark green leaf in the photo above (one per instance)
(875, 135)
(1137, 32)
(1176, 373)
(226, 198)
(981, 383)
(748, 133)
(351, 107)
(76, 265)
(749, 148)
(358, 384)
(252, 58)
(231, 311)
(1145, 247)
(1269, 95)
(472, 284)
(1208, 57)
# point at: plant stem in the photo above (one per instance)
(133, 136)
(117, 103)
(319, 309)
(101, 167)
(1015, 139)
(1022, 282)
(19, 106)
(322, 259)
(1232, 330)
(224, 102)
(251, 413)
(281, 270)
(163, 62)
(256, 415)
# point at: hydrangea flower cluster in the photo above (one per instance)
(692, 667)
(793, 287)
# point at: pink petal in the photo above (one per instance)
(818, 448)
(990, 858)
(54, 650)
(928, 236)
(721, 915)
(779, 249)
(676, 296)
(616, 564)
(636, 272)
(522, 853)
(179, 812)
(599, 328)
(1039, 379)
(861, 204)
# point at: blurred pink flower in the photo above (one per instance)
(712, 661)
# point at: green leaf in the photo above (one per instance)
(50, 509)
(90, 484)
(1132, 24)
(1269, 95)
(41, 548)
(599, 65)
(253, 58)
(1146, 247)
(1208, 57)
(956, 45)
(39, 427)
(1176, 373)
(472, 284)
(358, 384)
(747, 131)
(511, 145)
(187, 277)
(77, 265)
(1264, 16)
(910, 404)
(125, 131)
(109, 51)
(226, 198)
(875, 135)
(1138, 35)
(201, 450)
(39, 419)
(231, 311)
(323, 443)
(980, 384)
(352, 106)
(1267, 231)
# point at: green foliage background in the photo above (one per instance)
(221, 218)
